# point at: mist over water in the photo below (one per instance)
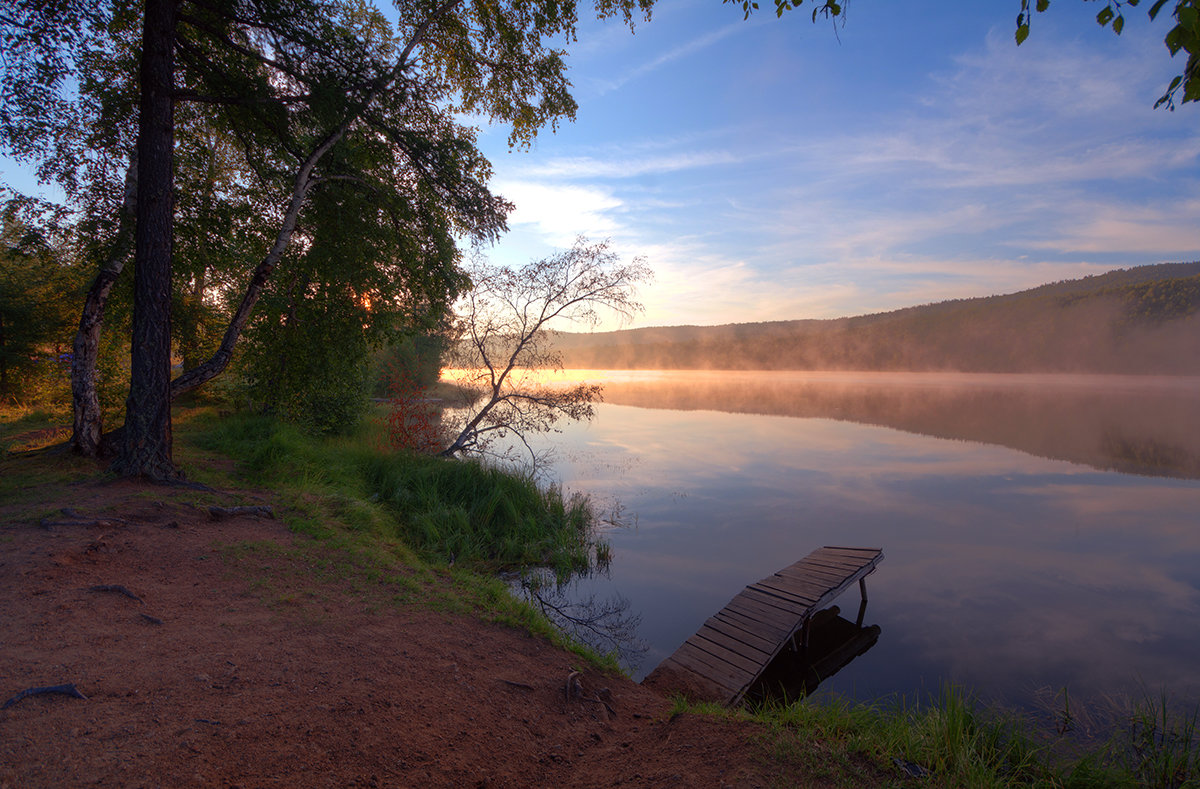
(1040, 532)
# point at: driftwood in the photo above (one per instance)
(217, 513)
(115, 588)
(66, 690)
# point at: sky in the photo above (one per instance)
(774, 169)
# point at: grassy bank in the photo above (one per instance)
(450, 525)
(953, 740)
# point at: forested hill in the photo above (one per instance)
(1138, 320)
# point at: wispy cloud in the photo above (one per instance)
(575, 167)
(683, 50)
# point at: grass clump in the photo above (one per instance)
(464, 511)
(955, 741)
(450, 511)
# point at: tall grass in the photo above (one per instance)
(951, 740)
(954, 740)
(463, 510)
(451, 511)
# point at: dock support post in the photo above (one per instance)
(862, 607)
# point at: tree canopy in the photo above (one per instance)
(1183, 36)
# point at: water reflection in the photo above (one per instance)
(1007, 571)
(833, 643)
(1134, 424)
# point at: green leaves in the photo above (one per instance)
(829, 9)
(1184, 36)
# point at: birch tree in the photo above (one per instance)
(504, 345)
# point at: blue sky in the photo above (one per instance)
(777, 169)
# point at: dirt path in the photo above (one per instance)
(253, 672)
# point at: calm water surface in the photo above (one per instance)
(1040, 532)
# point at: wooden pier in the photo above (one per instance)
(732, 649)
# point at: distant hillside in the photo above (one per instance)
(1139, 320)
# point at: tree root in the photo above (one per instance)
(66, 690)
(79, 520)
(575, 689)
(115, 588)
(515, 684)
(217, 513)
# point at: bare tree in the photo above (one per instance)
(503, 336)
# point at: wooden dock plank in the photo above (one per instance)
(792, 601)
(855, 553)
(708, 667)
(733, 647)
(749, 664)
(752, 609)
(713, 667)
(833, 562)
(721, 635)
(810, 571)
(827, 565)
(763, 630)
(736, 631)
(797, 587)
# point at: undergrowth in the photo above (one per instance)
(953, 740)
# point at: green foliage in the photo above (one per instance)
(828, 8)
(38, 288)
(466, 512)
(311, 370)
(954, 740)
(1184, 36)
(416, 359)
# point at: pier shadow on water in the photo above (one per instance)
(833, 643)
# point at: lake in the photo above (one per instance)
(1040, 532)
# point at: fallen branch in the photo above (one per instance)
(66, 690)
(115, 588)
(217, 513)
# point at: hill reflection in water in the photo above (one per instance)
(1132, 424)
